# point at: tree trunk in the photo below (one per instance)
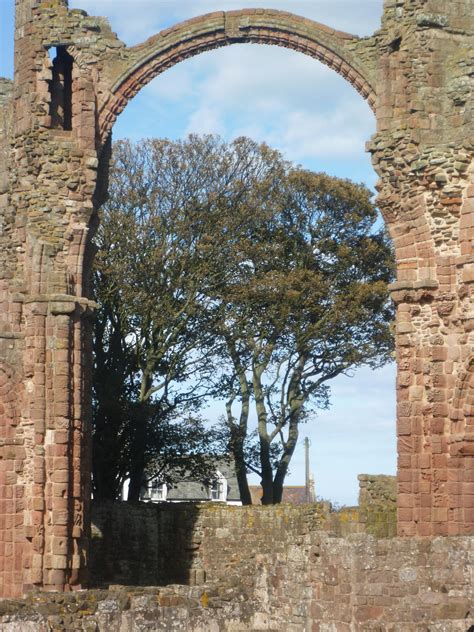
(109, 407)
(237, 438)
(278, 483)
(105, 484)
(282, 469)
(265, 459)
(136, 482)
(241, 473)
(106, 462)
(267, 472)
(138, 450)
(238, 433)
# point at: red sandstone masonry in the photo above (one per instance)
(305, 578)
(415, 73)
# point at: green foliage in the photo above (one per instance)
(225, 270)
(301, 290)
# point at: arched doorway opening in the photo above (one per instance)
(152, 63)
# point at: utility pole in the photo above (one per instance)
(306, 458)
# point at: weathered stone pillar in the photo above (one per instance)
(44, 384)
(423, 153)
(57, 430)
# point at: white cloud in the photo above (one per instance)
(335, 135)
(134, 22)
(206, 119)
(291, 101)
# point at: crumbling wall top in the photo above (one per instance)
(6, 91)
(6, 87)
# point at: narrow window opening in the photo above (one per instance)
(395, 45)
(61, 89)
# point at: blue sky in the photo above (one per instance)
(316, 119)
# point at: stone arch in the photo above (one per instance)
(462, 413)
(215, 30)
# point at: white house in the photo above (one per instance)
(222, 487)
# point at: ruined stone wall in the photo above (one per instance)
(72, 78)
(12, 451)
(261, 568)
(188, 543)
(6, 214)
(378, 504)
(376, 513)
(416, 73)
(6, 88)
(423, 152)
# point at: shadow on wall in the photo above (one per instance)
(148, 545)
(193, 544)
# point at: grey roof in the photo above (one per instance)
(197, 490)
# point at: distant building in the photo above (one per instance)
(292, 494)
(222, 487)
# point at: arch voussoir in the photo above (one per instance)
(219, 29)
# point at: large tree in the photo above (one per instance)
(153, 341)
(303, 299)
(225, 270)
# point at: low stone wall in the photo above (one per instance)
(188, 543)
(131, 610)
(299, 582)
(288, 565)
(378, 504)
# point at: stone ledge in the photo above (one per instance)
(60, 298)
(10, 335)
(428, 284)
